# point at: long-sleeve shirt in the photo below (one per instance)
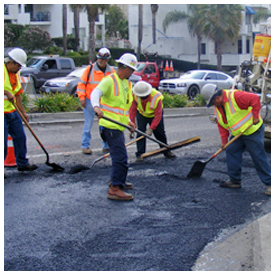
(243, 100)
(158, 112)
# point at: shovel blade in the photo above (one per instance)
(55, 166)
(197, 169)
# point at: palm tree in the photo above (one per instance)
(140, 27)
(154, 9)
(195, 22)
(93, 11)
(64, 27)
(223, 22)
(76, 8)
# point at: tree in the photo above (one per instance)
(64, 27)
(114, 16)
(76, 8)
(140, 27)
(223, 22)
(154, 9)
(93, 11)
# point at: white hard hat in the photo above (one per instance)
(103, 53)
(209, 92)
(142, 89)
(128, 60)
(18, 55)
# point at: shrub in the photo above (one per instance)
(12, 32)
(59, 102)
(35, 38)
(174, 101)
(199, 101)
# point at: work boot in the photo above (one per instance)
(28, 167)
(87, 151)
(139, 159)
(107, 150)
(127, 186)
(268, 191)
(170, 155)
(115, 193)
(231, 184)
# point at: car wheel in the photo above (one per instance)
(193, 91)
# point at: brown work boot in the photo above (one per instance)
(115, 193)
(127, 185)
(268, 191)
(87, 151)
(230, 184)
(170, 155)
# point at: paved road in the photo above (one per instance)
(63, 221)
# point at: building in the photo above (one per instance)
(49, 18)
(178, 43)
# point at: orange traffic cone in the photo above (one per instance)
(166, 66)
(161, 65)
(10, 160)
(171, 66)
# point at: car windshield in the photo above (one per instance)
(34, 62)
(193, 75)
(77, 73)
(140, 67)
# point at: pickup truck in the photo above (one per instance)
(42, 68)
(149, 72)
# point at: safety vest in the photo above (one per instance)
(118, 104)
(8, 106)
(151, 105)
(237, 119)
(84, 87)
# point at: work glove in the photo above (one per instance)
(149, 131)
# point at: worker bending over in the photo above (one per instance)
(147, 109)
(112, 98)
(235, 110)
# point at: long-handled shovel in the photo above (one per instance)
(108, 154)
(137, 131)
(199, 165)
(53, 165)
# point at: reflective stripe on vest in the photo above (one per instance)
(117, 107)
(8, 106)
(237, 119)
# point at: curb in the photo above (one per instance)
(70, 117)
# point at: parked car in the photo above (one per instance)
(68, 84)
(192, 82)
(42, 68)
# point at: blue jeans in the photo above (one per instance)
(89, 116)
(115, 139)
(13, 127)
(254, 144)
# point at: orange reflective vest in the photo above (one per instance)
(237, 119)
(84, 87)
(115, 103)
(151, 105)
(8, 106)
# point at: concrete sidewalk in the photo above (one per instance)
(249, 249)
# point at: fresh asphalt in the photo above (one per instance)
(63, 221)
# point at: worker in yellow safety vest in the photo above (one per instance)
(90, 78)
(112, 98)
(147, 108)
(12, 121)
(235, 111)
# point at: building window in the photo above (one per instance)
(203, 48)
(247, 46)
(239, 46)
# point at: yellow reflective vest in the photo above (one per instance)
(116, 103)
(151, 105)
(237, 119)
(8, 106)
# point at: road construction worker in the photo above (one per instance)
(147, 108)
(90, 78)
(235, 110)
(112, 98)
(12, 120)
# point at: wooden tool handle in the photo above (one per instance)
(230, 141)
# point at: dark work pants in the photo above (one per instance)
(116, 142)
(159, 132)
